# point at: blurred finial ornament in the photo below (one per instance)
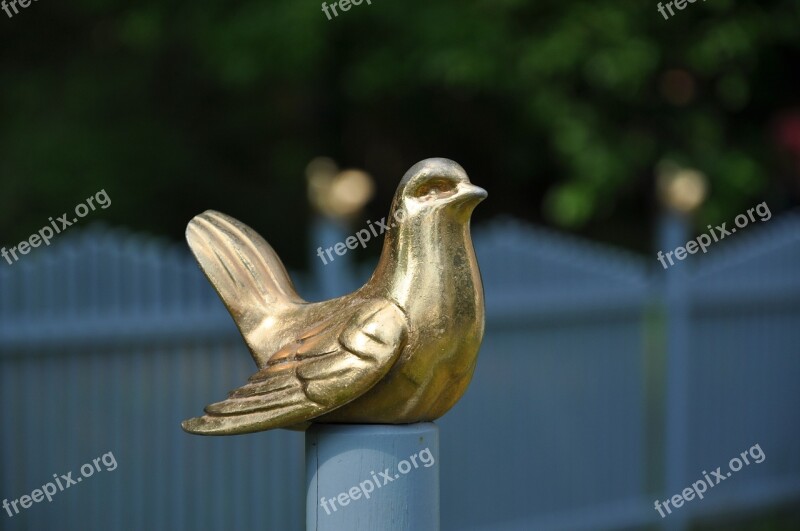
(337, 194)
(680, 189)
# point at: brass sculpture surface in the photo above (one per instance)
(400, 349)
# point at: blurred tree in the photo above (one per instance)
(562, 109)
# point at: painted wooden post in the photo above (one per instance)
(332, 272)
(367, 477)
(674, 233)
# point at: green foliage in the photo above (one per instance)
(562, 109)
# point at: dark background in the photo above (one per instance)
(562, 110)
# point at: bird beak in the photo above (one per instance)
(468, 190)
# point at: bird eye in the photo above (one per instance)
(435, 188)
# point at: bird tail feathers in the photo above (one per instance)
(246, 272)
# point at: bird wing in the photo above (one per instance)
(327, 366)
(243, 268)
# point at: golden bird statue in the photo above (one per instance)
(401, 349)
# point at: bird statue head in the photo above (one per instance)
(436, 184)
